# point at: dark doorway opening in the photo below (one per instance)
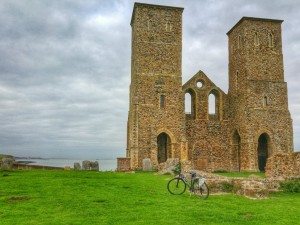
(262, 151)
(237, 149)
(163, 147)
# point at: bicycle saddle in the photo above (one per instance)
(193, 173)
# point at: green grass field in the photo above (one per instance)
(77, 197)
(241, 174)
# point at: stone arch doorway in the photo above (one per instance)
(163, 147)
(237, 149)
(263, 151)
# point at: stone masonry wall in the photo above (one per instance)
(283, 166)
(257, 91)
(156, 100)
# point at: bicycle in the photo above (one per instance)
(197, 185)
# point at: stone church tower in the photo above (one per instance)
(156, 114)
(257, 92)
(248, 125)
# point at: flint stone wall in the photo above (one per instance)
(147, 165)
(168, 167)
(123, 164)
(19, 166)
(89, 165)
(77, 166)
(283, 166)
(252, 187)
(6, 163)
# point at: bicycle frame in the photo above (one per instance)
(190, 184)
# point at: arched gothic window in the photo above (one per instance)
(212, 104)
(188, 103)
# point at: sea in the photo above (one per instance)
(104, 164)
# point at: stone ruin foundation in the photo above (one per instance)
(87, 165)
(123, 164)
(280, 167)
(6, 163)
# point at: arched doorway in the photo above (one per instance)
(262, 151)
(237, 149)
(163, 147)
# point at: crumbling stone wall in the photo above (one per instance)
(283, 166)
(123, 164)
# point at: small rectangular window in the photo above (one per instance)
(162, 101)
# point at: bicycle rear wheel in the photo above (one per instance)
(176, 186)
(200, 189)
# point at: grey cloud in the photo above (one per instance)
(65, 68)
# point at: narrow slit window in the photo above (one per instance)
(239, 42)
(271, 40)
(265, 101)
(256, 39)
(149, 25)
(162, 101)
(236, 80)
(168, 27)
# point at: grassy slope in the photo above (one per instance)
(70, 197)
(5, 156)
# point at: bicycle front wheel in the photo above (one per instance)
(200, 189)
(176, 186)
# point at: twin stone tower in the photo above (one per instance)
(248, 124)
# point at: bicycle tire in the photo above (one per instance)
(200, 190)
(176, 186)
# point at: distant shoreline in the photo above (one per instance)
(104, 165)
(25, 162)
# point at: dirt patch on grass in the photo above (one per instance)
(247, 214)
(18, 199)
(100, 201)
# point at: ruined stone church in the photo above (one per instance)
(249, 124)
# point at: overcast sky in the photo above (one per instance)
(65, 68)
